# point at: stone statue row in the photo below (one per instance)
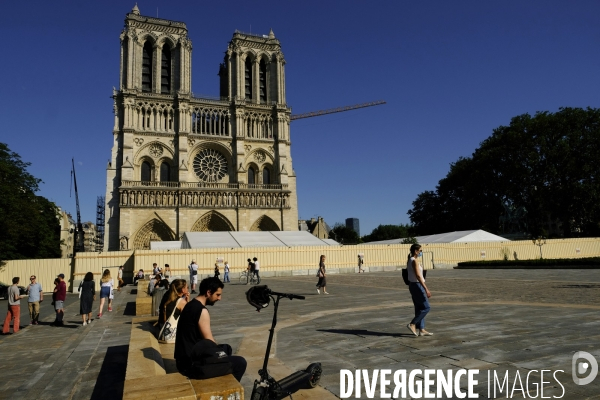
(166, 198)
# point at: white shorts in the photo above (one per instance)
(194, 279)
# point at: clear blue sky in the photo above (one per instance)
(449, 71)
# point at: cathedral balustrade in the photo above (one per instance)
(203, 185)
(149, 184)
(187, 198)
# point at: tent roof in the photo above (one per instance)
(168, 245)
(196, 240)
(451, 237)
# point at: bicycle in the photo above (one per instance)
(252, 279)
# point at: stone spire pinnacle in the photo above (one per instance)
(135, 10)
(271, 34)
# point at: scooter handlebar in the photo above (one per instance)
(288, 295)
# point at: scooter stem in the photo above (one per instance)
(264, 374)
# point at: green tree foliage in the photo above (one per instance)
(387, 232)
(29, 227)
(342, 234)
(548, 164)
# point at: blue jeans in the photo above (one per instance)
(226, 277)
(419, 298)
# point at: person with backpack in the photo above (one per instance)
(197, 354)
(419, 292)
(193, 267)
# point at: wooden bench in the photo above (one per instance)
(152, 374)
(143, 301)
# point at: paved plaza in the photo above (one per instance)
(502, 320)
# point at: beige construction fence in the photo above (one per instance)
(297, 260)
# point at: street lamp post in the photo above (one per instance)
(540, 241)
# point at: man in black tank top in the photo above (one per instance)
(194, 325)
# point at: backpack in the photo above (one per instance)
(405, 275)
(211, 360)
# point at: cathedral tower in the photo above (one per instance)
(182, 163)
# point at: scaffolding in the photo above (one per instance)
(100, 223)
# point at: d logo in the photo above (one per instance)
(580, 367)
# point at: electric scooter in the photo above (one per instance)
(267, 388)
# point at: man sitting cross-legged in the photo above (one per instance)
(194, 325)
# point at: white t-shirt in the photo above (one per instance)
(193, 267)
(120, 274)
(256, 265)
(412, 277)
(226, 267)
(107, 284)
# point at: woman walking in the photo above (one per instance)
(87, 295)
(322, 276)
(106, 287)
(419, 292)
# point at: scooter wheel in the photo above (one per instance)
(315, 371)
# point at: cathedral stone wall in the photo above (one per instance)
(181, 163)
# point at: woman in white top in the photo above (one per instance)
(106, 287)
(419, 292)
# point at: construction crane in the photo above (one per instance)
(335, 110)
(79, 245)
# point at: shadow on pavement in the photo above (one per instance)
(129, 308)
(586, 286)
(111, 379)
(364, 332)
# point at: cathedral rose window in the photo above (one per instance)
(210, 165)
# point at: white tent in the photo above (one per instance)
(197, 240)
(451, 237)
(168, 245)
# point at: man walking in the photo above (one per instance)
(194, 326)
(14, 307)
(226, 269)
(120, 278)
(36, 296)
(193, 267)
(256, 269)
(60, 295)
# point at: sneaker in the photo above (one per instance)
(318, 291)
(31, 323)
(35, 323)
(100, 315)
(109, 308)
(84, 323)
(326, 292)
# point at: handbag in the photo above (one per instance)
(80, 286)
(169, 330)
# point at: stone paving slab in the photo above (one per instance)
(495, 320)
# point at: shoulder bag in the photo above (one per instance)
(169, 330)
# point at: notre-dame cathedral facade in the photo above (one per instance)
(184, 164)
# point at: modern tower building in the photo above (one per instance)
(353, 224)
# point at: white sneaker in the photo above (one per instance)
(318, 291)
(84, 323)
(325, 292)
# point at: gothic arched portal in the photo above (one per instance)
(212, 221)
(155, 231)
(264, 223)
